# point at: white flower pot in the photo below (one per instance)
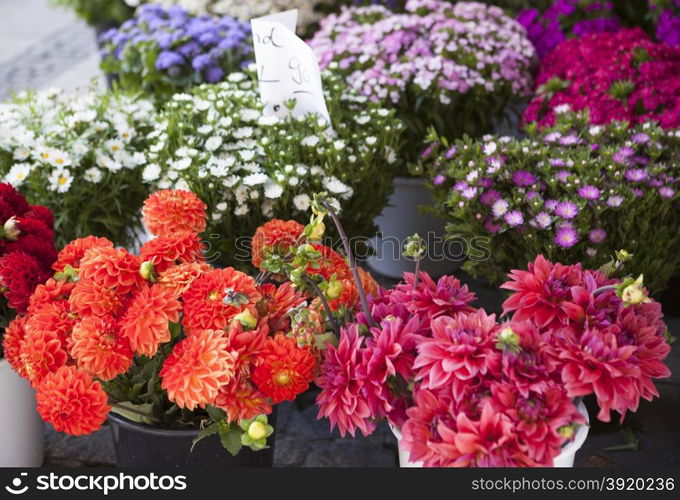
(401, 219)
(564, 459)
(21, 429)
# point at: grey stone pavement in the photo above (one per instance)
(42, 48)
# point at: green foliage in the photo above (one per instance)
(97, 12)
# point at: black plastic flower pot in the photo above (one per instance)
(139, 445)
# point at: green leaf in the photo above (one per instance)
(208, 431)
(133, 415)
(217, 414)
(230, 437)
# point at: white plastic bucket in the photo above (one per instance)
(21, 429)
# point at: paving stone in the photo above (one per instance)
(95, 450)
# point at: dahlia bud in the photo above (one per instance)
(246, 319)
(317, 230)
(255, 432)
(10, 230)
(414, 247)
(633, 292)
(508, 341)
(334, 289)
(567, 432)
(147, 272)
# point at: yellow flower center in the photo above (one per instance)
(214, 295)
(62, 180)
(283, 377)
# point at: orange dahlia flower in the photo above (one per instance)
(145, 323)
(90, 298)
(72, 402)
(179, 278)
(72, 253)
(214, 298)
(285, 369)
(349, 297)
(50, 291)
(241, 400)
(331, 263)
(276, 236)
(100, 348)
(169, 211)
(247, 344)
(112, 268)
(277, 302)
(178, 248)
(41, 352)
(11, 344)
(53, 317)
(368, 282)
(198, 367)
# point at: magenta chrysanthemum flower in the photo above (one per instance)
(514, 218)
(566, 210)
(597, 236)
(566, 237)
(460, 350)
(589, 193)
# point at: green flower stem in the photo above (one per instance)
(352, 263)
(327, 307)
(115, 404)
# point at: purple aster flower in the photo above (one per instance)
(469, 193)
(490, 197)
(201, 62)
(491, 226)
(623, 155)
(550, 205)
(543, 220)
(597, 236)
(566, 210)
(666, 192)
(640, 138)
(451, 152)
(523, 178)
(615, 201)
(168, 59)
(637, 192)
(514, 218)
(589, 193)
(499, 208)
(531, 195)
(439, 179)
(566, 237)
(460, 186)
(636, 174)
(569, 140)
(557, 162)
(563, 176)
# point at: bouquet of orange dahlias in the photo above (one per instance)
(163, 338)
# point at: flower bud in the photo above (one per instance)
(317, 231)
(334, 289)
(10, 230)
(246, 319)
(146, 271)
(634, 292)
(567, 432)
(257, 430)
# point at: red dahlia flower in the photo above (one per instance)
(275, 237)
(169, 211)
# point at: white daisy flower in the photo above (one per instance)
(151, 172)
(255, 179)
(60, 180)
(18, 174)
(93, 174)
(301, 202)
(213, 143)
(272, 190)
(181, 164)
(241, 210)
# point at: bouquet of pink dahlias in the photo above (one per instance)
(452, 66)
(468, 391)
(617, 76)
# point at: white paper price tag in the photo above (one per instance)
(286, 67)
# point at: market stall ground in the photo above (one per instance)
(56, 50)
(304, 441)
